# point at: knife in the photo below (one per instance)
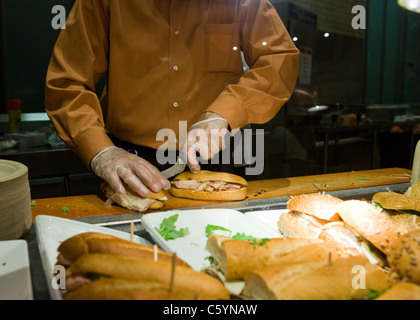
(178, 167)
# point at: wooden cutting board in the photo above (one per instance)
(93, 205)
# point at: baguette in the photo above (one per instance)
(396, 201)
(145, 270)
(316, 281)
(401, 291)
(121, 289)
(92, 242)
(209, 185)
(237, 258)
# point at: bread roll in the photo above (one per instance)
(396, 201)
(345, 279)
(320, 205)
(404, 258)
(371, 222)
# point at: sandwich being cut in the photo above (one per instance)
(209, 185)
(131, 200)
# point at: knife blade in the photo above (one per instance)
(177, 168)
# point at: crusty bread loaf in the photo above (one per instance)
(396, 201)
(401, 291)
(206, 175)
(320, 205)
(300, 225)
(145, 270)
(404, 257)
(237, 258)
(121, 289)
(317, 281)
(371, 222)
(94, 242)
(225, 195)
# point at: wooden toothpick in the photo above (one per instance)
(172, 272)
(131, 230)
(155, 252)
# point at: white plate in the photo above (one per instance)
(192, 247)
(268, 217)
(51, 231)
(15, 275)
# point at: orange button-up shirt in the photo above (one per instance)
(166, 62)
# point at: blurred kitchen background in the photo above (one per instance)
(356, 105)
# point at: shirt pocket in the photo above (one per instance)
(222, 51)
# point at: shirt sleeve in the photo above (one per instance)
(78, 61)
(274, 66)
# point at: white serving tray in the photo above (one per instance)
(51, 231)
(268, 217)
(192, 247)
(15, 275)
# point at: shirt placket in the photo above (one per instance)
(175, 101)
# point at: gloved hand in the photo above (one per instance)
(207, 137)
(115, 165)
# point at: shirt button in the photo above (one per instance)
(176, 68)
(177, 32)
(175, 104)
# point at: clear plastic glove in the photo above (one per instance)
(206, 137)
(115, 165)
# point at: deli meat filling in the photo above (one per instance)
(205, 186)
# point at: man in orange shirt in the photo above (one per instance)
(167, 62)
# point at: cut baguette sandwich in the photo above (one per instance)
(308, 218)
(320, 205)
(93, 242)
(371, 222)
(308, 213)
(350, 278)
(89, 268)
(209, 185)
(238, 258)
(131, 200)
